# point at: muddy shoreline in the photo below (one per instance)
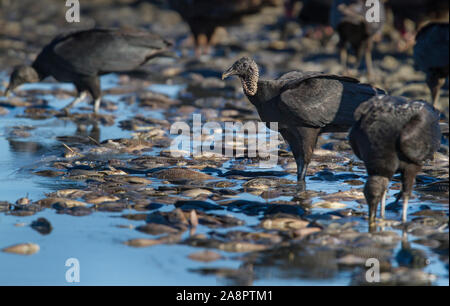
(74, 185)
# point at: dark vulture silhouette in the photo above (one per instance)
(348, 19)
(81, 57)
(431, 55)
(393, 134)
(204, 16)
(315, 12)
(304, 104)
(312, 13)
(418, 11)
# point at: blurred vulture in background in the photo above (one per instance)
(431, 55)
(313, 13)
(417, 11)
(204, 16)
(348, 18)
(81, 57)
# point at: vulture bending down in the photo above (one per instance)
(393, 134)
(81, 57)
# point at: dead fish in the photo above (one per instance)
(157, 229)
(205, 256)
(49, 173)
(60, 202)
(142, 242)
(181, 174)
(23, 201)
(242, 247)
(283, 224)
(22, 249)
(101, 199)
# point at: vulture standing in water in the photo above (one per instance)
(431, 55)
(348, 18)
(304, 104)
(81, 57)
(204, 16)
(393, 134)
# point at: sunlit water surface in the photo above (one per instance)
(96, 240)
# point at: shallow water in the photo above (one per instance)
(97, 241)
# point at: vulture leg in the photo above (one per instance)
(295, 145)
(198, 50)
(368, 59)
(434, 83)
(97, 105)
(95, 132)
(308, 139)
(405, 208)
(93, 85)
(344, 59)
(374, 190)
(408, 178)
(202, 44)
(383, 204)
(302, 141)
(360, 51)
(81, 96)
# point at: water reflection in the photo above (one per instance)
(32, 147)
(291, 262)
(411, 257)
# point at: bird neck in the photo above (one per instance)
(250, 83)
(40, 73)
(266, 90)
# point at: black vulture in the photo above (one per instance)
(304, 104)
(348, 18)
(312, 13)
(315, 12)
(393, 134)
(81, 57)
(204, 16)
(431, 55)
(418, 11)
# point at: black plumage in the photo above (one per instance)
(431, 55)
(393, 134)
(315, 12)
(304, 104)
(349, 20)
(81, 57)
(417, 11)
(204, 16)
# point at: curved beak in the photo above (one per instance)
(228, 73)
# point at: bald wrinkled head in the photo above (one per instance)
(247, 70)
(21, 75)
